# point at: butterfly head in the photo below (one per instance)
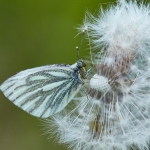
(81, 63)
(81, 66)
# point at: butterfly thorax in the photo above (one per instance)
(79, 69)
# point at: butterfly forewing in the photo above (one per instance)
(42, 91)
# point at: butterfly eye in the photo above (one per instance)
(79, 63)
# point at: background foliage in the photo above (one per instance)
(36, 33)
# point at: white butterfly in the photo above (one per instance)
(44, 91)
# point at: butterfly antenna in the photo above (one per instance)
(78, 48)
(78, 52)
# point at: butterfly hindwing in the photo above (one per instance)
(42, 91)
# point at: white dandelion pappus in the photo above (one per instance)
(44, 91)
(115, 114)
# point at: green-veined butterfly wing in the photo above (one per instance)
(43, 91)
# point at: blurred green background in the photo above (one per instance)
(36, 33)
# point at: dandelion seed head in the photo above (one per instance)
(112, 111)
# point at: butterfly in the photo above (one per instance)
(44, 91)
